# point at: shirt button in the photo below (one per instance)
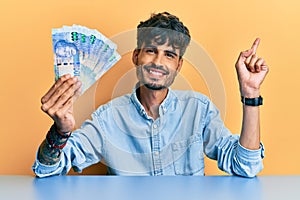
(154, 126)
(156, 153)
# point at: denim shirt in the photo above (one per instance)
(130, 142)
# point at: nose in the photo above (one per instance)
(158, 59)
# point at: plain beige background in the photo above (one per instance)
(222, 28)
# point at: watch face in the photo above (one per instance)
(252, 101)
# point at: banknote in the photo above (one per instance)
(82, 52)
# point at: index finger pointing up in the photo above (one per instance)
(255, 46)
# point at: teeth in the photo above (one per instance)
(155, 72)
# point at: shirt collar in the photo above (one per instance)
(164, 106)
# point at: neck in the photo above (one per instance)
(151, 100)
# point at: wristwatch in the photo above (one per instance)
(252, 101)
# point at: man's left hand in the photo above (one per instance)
(251, 71)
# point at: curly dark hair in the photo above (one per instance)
(161, 28)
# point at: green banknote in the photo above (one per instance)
(82, 52)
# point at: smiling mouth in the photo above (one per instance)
(155, 71)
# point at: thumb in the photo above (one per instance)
(243, 56)
(240, 65)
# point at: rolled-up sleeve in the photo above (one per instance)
(83, 149)
(41, 170)
(247, 162)
(221, 145)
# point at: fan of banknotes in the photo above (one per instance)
(82, 52)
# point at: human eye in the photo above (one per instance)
(169, 55)
(149, 50)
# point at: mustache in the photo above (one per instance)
(157, 67)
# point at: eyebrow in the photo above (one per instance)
(166, 51)
(171, 52)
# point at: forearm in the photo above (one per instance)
(51, 148)
(251, 71)
(250, 133)
(48, 155)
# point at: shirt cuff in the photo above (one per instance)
(251, 155)
(42, 170)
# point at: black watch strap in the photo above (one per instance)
(252, 101)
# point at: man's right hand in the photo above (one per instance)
(58, 102)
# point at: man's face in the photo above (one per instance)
(157, 65)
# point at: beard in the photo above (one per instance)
(154, 87)
(155, 83)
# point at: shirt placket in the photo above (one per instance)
(157, 164)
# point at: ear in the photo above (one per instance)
(135, 56)
(180, 62)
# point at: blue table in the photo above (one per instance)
(149, 188)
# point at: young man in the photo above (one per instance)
(155, 130)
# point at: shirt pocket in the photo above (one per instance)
(188, 158)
